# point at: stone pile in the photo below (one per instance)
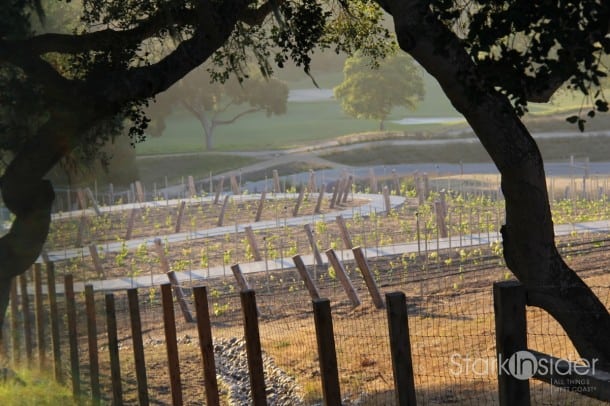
(232, 371)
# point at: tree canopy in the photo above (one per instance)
(62, 91)
(373, 93)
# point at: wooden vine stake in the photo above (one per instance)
(347, 188)
(276, 182)
(234, 185)
(192, 189)
(386, 199)
(297, 206)
(314, 247)
(343, 277)
(171, 275)
(261, 205)
(368, 277)
(82, 201)
(373, 181)
(140, 192)
(97, 264)
(96, 207)
(130, 223)
(309, 283)
(347, 241)
(252, 243)
(320, 198)
(219, 189)
(221, 216)
(179, 217)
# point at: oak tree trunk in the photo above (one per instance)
(528, 235)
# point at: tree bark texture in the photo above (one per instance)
(528, 235)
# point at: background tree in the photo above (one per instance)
(372, 93)
(491, 59)
(215, 104)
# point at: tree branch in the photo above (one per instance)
(238, 116)
(254, 17)
(105, 39)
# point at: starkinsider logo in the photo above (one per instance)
(521, 365)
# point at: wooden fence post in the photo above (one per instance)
(252, 242)
(309, 283)
(343, 277)
(27, 320)
(179, 217)
(368, 277)
(261, 205)
(54, 322)
(400, 348)
(171, 343)
(511, 337)
(221, 216)
(347, 241)
(253, 348)
(396, 182)
(180, 297)
(94, 369)
(297, 206)
(327, 355)
(138, 345)
(314, 247)
(72, 333)
(97, 264)
(113, 350)
(206, 346)
(14, 303)
(39, 316)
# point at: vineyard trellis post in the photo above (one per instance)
(206, 345)
(113, 350)
(253, 348)
(92, 344)
(327, 355)
(511, 337)
(138, 346)
(400, 348)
